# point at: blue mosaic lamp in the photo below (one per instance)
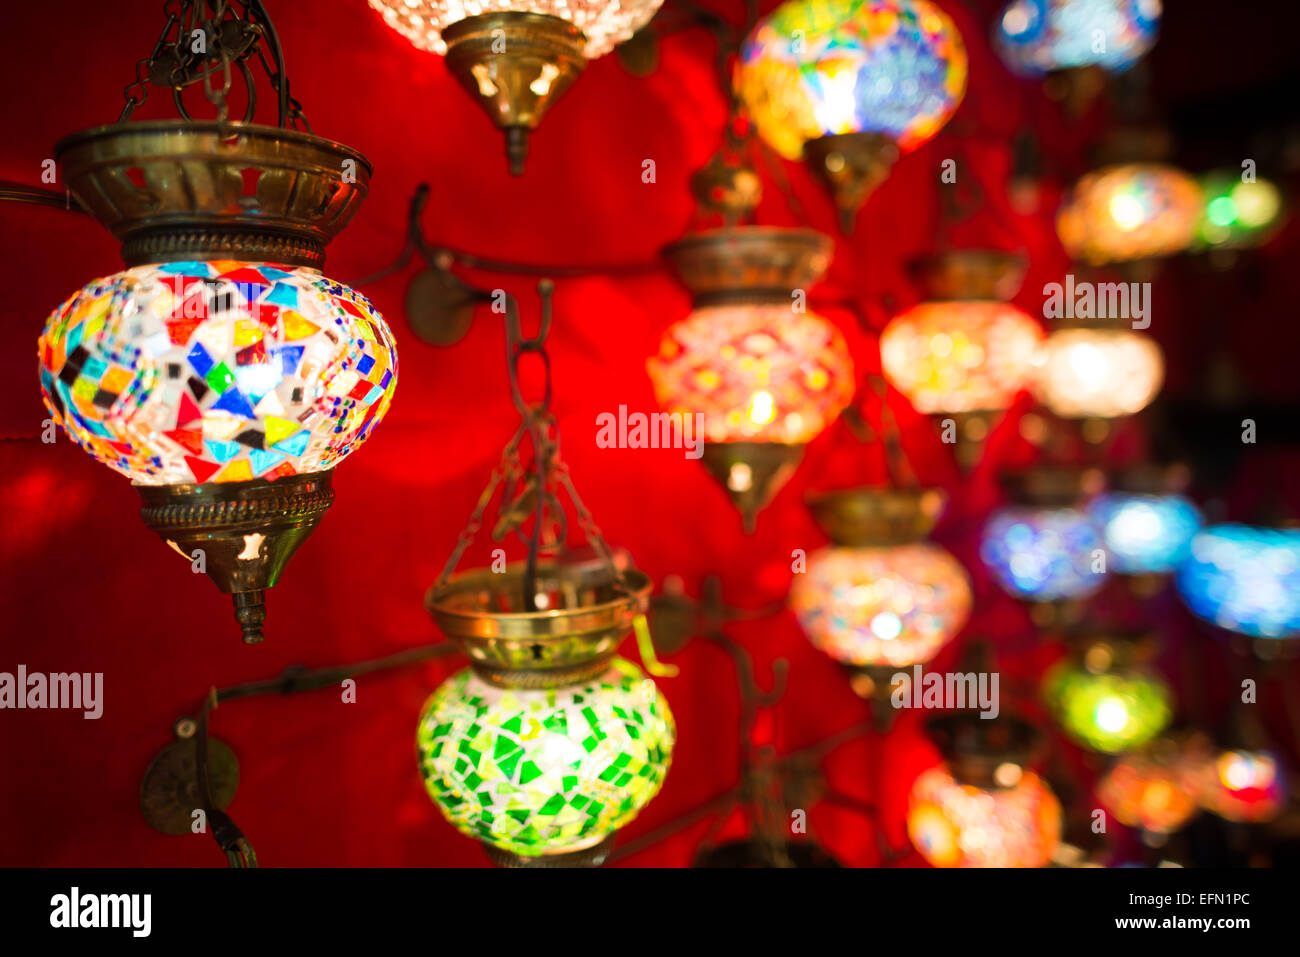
(1035, 37)
(1145, 533)
(1245, 579)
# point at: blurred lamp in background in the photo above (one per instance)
(881, 597)
(1130, 212)
(1244, 786)
(516, 57)
(1157, 790)
(962, 354)
(766, 373)
(1145, 534)
(849, 84)
(1094, 373)
(1043, 36)
(1105, 697)
(1245, 579)
(1239, 214)
(984, 808)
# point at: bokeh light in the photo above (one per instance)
(956, 825)
(1040, 36)
(1143, 533)
(1244, 786)
(1043, 554)
(1110, 712)
(1134, 211)
(1097, 373)
(1245, 579)
(889, 605)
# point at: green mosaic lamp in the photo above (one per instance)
(549, 743)
(1105, 697)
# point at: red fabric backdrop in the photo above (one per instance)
(85, 586)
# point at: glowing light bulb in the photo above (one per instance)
(762, 409)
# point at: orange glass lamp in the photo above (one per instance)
(983, 807)
(1157, 790)
(963, 354)
(1130, 212)
(881, 597)
(766, 375)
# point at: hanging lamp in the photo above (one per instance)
(221, 371)
(516, 57)
(548, 743)
(963, 353)
(848, 85)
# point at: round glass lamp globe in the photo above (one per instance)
(757, 373)
(605, 23)
(545, 771)
(821, 67)
(891, 605)
(194, 372)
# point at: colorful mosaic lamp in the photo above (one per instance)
(881, 597)
(984, 807)
(1105, 696)
(221, 371)
(766, 374)
(1239, 214)
(516, 57)
(1245, 579)
(1130, 212)
(849, 84)
(1036, 37)
(963, 353)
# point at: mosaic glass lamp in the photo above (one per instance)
(1244, 785)
(1130, 212)
(965, 351)
(516, 57)
(1245, 579)
(1159, 788)
(1097, 373)
(1036, 37)
(1238, 214)
(1042, 547)
(881, 597)
(548, 743)
(983, 807)
(1105, 696)
(221, 371)
(1145, 533)
(849, 84)
(766, 375)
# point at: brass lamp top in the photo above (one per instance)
(969, 274)
(1052, 486)
(1102, 650)
(977, 749)
(860, 517)
(178, 189)
(749, 264)
(584, 615)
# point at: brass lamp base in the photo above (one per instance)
(751, 472)
(516, 65)
(874, 684)
(169, 795)
(969, 431)
(868, 516)
(852, 165)
(985, 753)
(242, 534)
